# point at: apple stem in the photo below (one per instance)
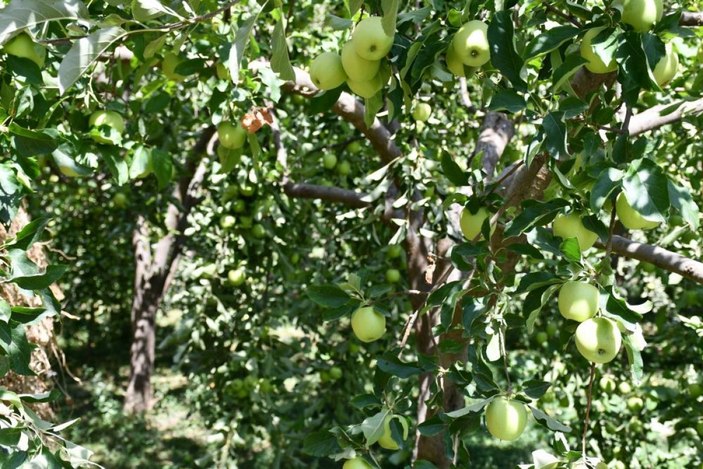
(588, 408)
(505, 355)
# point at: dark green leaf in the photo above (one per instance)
(503, 54)
(548, 421)
(328, 296)
(507, 100)
(647, 189)
(534, 213)
(555, 135)
(550, 40)
(683, 202)
(393, 366)
(40, 281)
(321, 444)
(453, 172)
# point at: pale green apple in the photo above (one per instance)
(631, 218)
(357, 68)
(392, 276)
(110, 119)
(454, 63)
(368, 324)
(227, 221)
(578, 300)
(329, 161)
(598, 340)
(471, 44)
(635, 404)
(386, 441)
(571, 226)
(595, 64)
(607, 384)
(231, 136)
(120, 200)
(168, 67)
(506, 418)
(370, 40)
(236, 277)
(666, 68)
(641, 14)
(327, 72)
(422, 112)
(366, 89)
(344, 168)
(471, 223)
(356, 463)
(23, 46)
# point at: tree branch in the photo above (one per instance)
(327, 193)
(663, 258)
(689, 18)
(663, 114)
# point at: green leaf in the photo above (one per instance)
(390, 14)
(555, 135)
(567, 69)
(5, 311)
(549, 40)
(571, 249)
(372, 427)
(503, 54)
(40, 281)
(548, 421)
(393, 366)
(608, 181)
(452, 171)
(241, 39)
(28, 235)
(321, 444)
(21, 14)
(507, 100)
(534, 213)
(619, 308)
(190, 67)
(14, 342)
(328, 296)
(681, 199)
(162, 165)
(634, 357)
(533, 280)
(30, 142)
(280, 61)
(469, 409)
(432, 426)
(84, 52)
(535, 388)
(26, 68)
(332, 314)
(646, 188)
(141, 163)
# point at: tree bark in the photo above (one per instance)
(153, 274)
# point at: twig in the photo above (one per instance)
(588, 408)
(570, 18)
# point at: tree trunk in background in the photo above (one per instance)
(153, 272)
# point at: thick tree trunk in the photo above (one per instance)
(153, 274)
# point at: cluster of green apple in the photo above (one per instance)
(23, 46)
(330, 162)
(386, 441)
(469, 48)
(359, 64)
(641, 15)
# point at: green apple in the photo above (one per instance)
(598, 340)
(368, 324)
(635, 425)
(666, 68)
(120, 200)
(236, 277)
(366, 89)
(422, 112)
(336, 373)
(168, 67)
(624, 388)
(471, 44)
(227, 222)
(699, 428)
(471, 223)
(356, 463)
(578, 300)
(392, 276)
(258, 231)
(635, 404)
(327, 72)
(506, 418)
(247, 190)
(454, 63)
(239, 206)
(631, 218)
(386, 441)
(641, 14)
(571, 226)
(357, 68)
(695, 390)
(542, 337)
(552, 329)
(344, 168)
(595, 64)
(607, 384)
(110, 119)
(231, 136)
(23, 46)
(354, 147)
(222, 71)
(394, 251)
(370, 40)
(329, 160)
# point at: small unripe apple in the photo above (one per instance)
(231, 136)
(506, 418)
(392, 276)
(329, 160)
(666, 68)
(624, 388)
(471, 223)
(366, 89)
(356, 67)
(120, 200)
(327, 72)
(168, 67)
(607, 384)
(356, 463)
(368, 324)
(631, 218)
(336, 373)
(635, 404)
(239, 206)
(571, 226)
(598, 340)
(394, 251)
(247, 190)
(641, 14)
(578, 300)
(552, 329)
(454, 63)
(236, 277)
(595, 64)
(354, 147)
(542, 337)
(258, 231)
(227, 221)
(344, 168)
(386, 441)
(471, 44)
(370, 40)
(422, 112)
(695, 390)
(23, 46)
